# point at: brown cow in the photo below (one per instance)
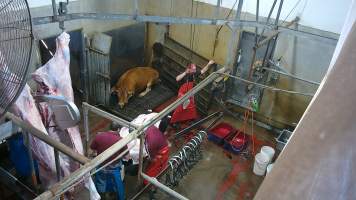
(138, 79)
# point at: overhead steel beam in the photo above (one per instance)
(171, 20)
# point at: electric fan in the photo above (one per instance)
(16, 40)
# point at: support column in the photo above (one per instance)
(233, 44)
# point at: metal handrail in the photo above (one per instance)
(47, 139)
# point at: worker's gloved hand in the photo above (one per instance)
(211, 62)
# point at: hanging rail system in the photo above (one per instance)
(171, 20)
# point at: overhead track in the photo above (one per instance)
(172, 20)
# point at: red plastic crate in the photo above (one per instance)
(236, 142)
(218, 133)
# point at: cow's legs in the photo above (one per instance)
(148, 88)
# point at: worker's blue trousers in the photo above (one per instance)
(109, 180)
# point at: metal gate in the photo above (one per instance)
(99, 77)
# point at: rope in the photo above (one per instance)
(268, 87)
(219, 29)
(252, 133)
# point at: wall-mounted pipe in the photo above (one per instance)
(291, 75)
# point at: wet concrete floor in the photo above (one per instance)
(218, 175)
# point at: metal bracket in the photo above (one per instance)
(66, 113)
(62, 11)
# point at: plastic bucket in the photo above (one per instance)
(269, 151)
(260, 165)
(269, 168)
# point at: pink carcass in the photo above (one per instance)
(54, 79)
(26, 109)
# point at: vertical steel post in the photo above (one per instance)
(58, 166)
(86, 129)
(84, 70)
(232, 49)
(257, 19)
(217, 9)
(136, 11)
(276, 27)
(278, 13)
(140, 164)
(268, 18)
(29, 151)
(54, 8)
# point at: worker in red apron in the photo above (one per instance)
(108, 180)
(156, 145)
(187, 110)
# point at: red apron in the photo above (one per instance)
(187, 110)
(157, 164)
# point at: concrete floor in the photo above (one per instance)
(218, 175)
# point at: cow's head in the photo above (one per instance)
(122, 95)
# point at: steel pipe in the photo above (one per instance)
(165, 188)
(170, 20)
(107, 115)
(50, 141)
(86, 129)
(198, 123)
(58, 165)
(54, 9)
(275, 33)
(291, 75)
(232, 48)
(269, 87)
(140, 161)
(30, 156)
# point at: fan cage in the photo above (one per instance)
(16, 40)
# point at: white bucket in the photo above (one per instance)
(269, 151)
(260, 165)
(269, 168)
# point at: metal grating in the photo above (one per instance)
(173, 61)
(15, 49)
(139, 105)
(99, 76)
